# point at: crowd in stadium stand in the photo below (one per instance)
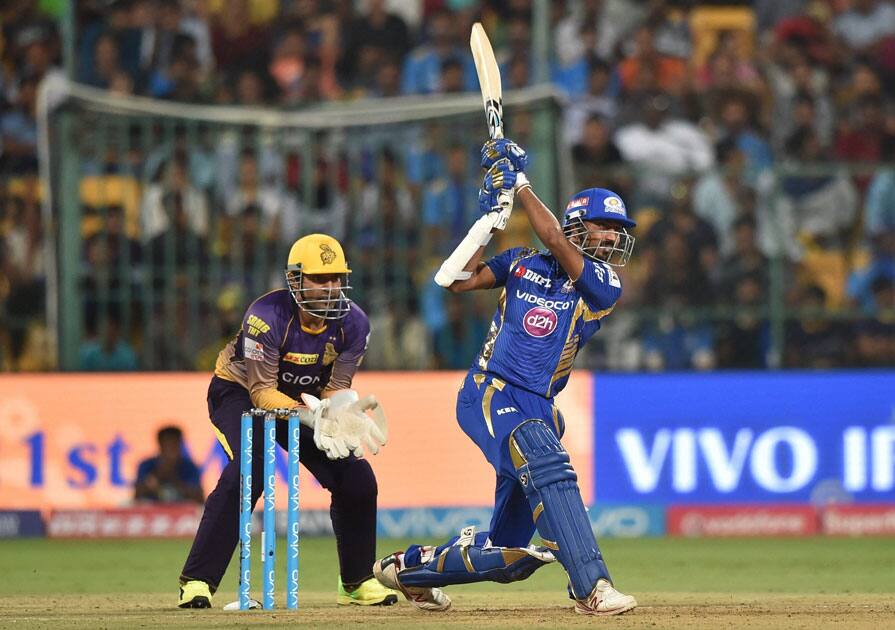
(728, 127)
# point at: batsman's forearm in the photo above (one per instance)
(540, 218)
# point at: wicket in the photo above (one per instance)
(268, 532)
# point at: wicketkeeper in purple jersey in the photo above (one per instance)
(298, 347)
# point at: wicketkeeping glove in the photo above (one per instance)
(343, 427)
(504, 149)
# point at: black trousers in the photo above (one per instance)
(350, 481)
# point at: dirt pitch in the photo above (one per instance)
(473, 610)
(769, 584)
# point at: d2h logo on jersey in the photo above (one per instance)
(539, 321)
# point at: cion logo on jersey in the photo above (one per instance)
(539, 321)
(528, 274)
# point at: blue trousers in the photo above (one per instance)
(488, 409)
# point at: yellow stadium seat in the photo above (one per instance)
(98, 191)
(260, 11)
(828, 270)
(707, 22)
(25, 187)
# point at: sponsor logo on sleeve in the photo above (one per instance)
(252, 349)
(600, 271)
(614, 280)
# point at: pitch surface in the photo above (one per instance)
(741, 583)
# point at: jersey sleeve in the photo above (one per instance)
(599, 285)
(500, 265)
(261, 338)
(357, 337)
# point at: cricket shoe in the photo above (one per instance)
(605, 600)
(195, 594)
(369, 593)
(423, 597)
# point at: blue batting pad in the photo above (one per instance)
(551, 485)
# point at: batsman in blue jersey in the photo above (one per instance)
(550, 303)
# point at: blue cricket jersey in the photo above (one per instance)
(543, 318)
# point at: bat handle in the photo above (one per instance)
(505, 201)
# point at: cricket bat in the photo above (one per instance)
(492, 97)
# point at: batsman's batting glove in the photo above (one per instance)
(504, 149)
(499, 179)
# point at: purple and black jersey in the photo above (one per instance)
(274, 351)
(543, 318)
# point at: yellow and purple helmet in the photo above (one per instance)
(318, 254)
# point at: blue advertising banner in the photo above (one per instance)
(745, 437)
(21, 524)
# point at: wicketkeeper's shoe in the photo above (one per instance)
(369, 593)
(605, 600)
(195, 594)
(424, 598)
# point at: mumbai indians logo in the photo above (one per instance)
(614, 205)
(494, 114)
(327, 255)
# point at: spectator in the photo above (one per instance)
(699, 234)
(424, 66)
(279, 215)
(106, 348)
(599, 100)
(879, 206)
(449, 203)
(596, 158)
(251, 88)
(881, 266)
(112, 260)
(743, 341)
(818, 208)
(720, 194)
(451, 81)
(737, 122)
(401, 341)
(235, 39)
(388, 80)
(172, 179)
(663, 146)
(517, 72)
(288, 67)
(373, 38)
(171, 476)
(746, 259)
(18, 131)
(812, 340)
(789, 77)
(608, 30)
(861, 141)
(670, 72)
(875, 340)
(865, 24)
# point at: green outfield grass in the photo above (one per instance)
(679, 583)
